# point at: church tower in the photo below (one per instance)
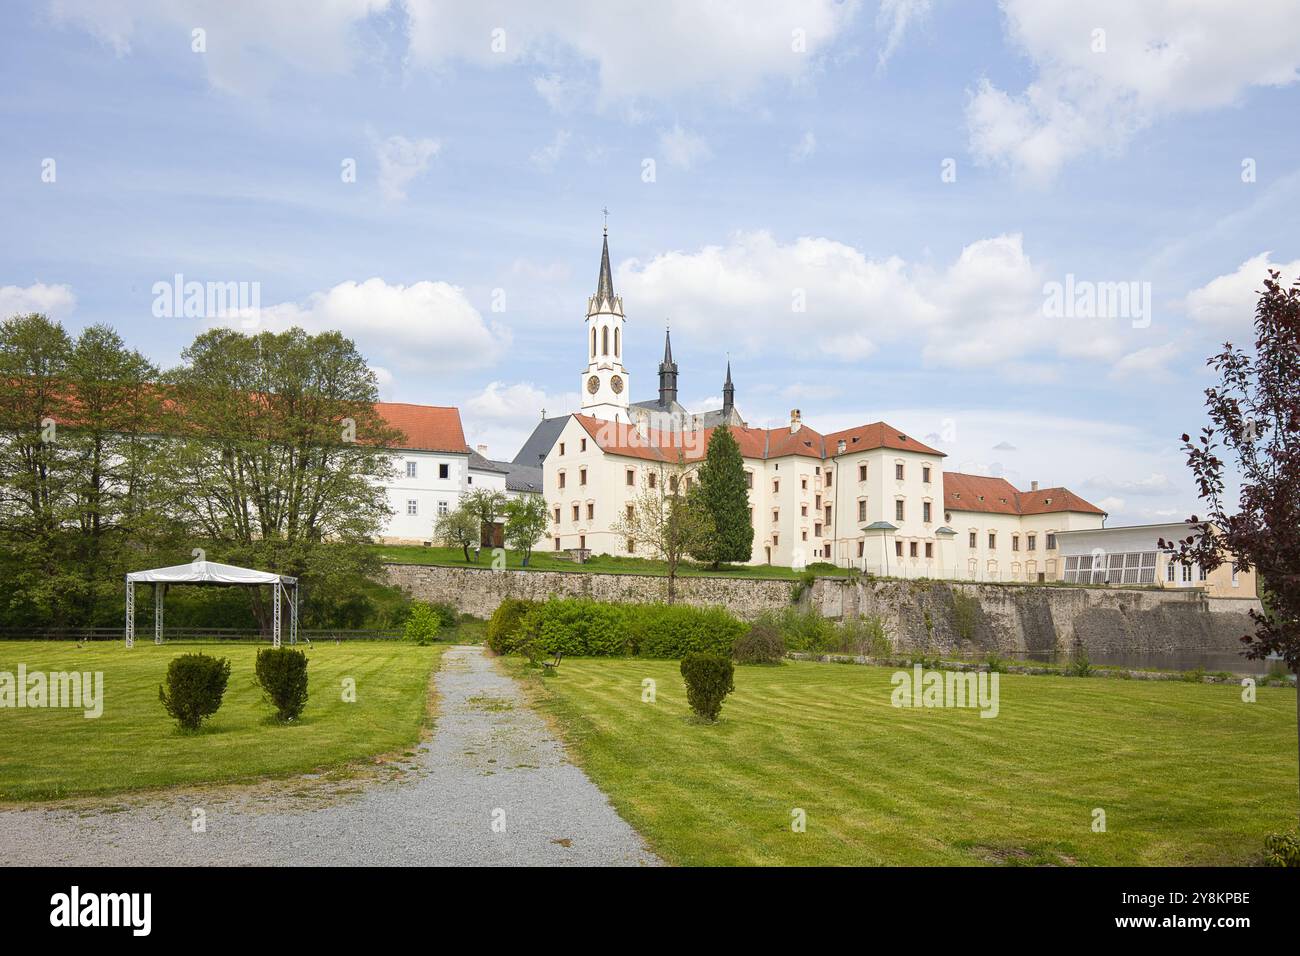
(667, 374)
(605, 386)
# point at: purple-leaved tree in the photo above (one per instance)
(1254, 412)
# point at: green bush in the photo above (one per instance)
(803, 630)
(761, 644)
(503, 629)
(193, 688)
(575, 627)
(709, 678)
(672, 631)
(1282, 849)
(862, 635)
(422, 624)
(282, 674)
(448, 616)
(578, 627)
(1079, 665)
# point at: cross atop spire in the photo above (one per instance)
(604, 210)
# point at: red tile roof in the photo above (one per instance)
(876, 435)
(621, 438)
(426, 427)
(998, 496)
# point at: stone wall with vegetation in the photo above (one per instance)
(938, 617)
(976, 619)
(479, 590)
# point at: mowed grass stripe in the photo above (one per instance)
(51, 752)
(1186, 773)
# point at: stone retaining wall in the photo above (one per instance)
(939, 617)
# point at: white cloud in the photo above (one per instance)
(245, 43)
(1228, 301)
(985, 308)
(55, 301)
(1160, 57)
(896, 16)
(400, 161)
(682, 148)
(804, 149)
(545, 157)
(425, 326)
(726, 48)
(1148, 363)
(502, 415)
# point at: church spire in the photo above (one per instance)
(605, 284)
(728, 391)
(667, 373)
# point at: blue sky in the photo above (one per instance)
(798, 153)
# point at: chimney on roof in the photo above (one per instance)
(795, 423)
(481, 449)
(1033, 486)
(841, 445)
(642, 424)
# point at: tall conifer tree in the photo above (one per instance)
(722, 493)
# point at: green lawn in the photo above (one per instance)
(47, 753)
(1186, 773)
(602, 563)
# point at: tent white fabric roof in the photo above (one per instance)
(207, 572)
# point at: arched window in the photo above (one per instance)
(604, 340)
(616, 338)
(593, 341)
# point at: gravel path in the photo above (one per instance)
(490, 787)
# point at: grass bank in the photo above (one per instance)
(55, 752)
(1187, 774)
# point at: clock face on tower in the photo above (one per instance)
(593, 385)
(616, 383)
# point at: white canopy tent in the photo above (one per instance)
(210, 572)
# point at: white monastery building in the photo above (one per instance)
(871, 497)
(435, 467)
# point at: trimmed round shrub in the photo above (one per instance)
(709, 678)
(422, 624)
(193, 688)
(761, 644)
(282, 674)
(503, 629)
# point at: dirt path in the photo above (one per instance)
(491, 786)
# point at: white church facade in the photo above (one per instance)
(871, 496)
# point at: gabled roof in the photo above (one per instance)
(759, 443)
(427, 427)
(981, 493)
(521, 477)
(478, 463)
(539, 443)
(876, 435)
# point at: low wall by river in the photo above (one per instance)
(927, 616)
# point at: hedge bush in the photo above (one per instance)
(282, 674)
(193, 688)
(422, 624)
(674, 630)
(709, 678)
(579, 627)
(503, 629)
(762, 644)
(576, 627)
